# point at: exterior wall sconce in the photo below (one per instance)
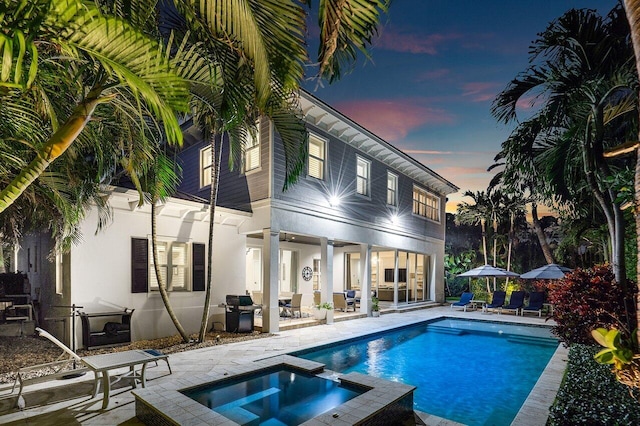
(334, 200)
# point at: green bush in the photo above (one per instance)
(590, 298)
(590, 395)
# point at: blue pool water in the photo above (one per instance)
(273, 397)
(472, 372)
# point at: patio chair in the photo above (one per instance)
(464, 301)
(536, 301)
(294, 305)
(109, 361)
(350, 295)
(340, 302)
(64, 365)
(497, 300)
(515, 302)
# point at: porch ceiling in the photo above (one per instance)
(302, 239)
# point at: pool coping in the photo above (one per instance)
(171, 407)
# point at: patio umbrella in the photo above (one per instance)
(488, 271)
(546, 272)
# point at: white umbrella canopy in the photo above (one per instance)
(488, 271)
(546, 272)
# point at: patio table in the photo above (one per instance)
(102, 364)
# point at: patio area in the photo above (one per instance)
(68, 401)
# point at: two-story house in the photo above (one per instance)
(363, 216)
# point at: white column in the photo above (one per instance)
(270, 308)
(326, 270)
(365, 278)
(396, 275)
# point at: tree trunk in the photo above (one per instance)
(632, 8)
(213, 199)
(59, 142)
(542, 238)
(512, 220)
(483, 225)
(162, 286)
(2, 268)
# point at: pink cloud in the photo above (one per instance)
(414, 43)
(480, 91)
(392, 120)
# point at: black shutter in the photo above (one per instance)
(139, 265)
(198, 266)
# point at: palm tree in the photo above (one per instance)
(581, 69)
(632, 8)
(108, 58)
(474, 214)
(266, 85)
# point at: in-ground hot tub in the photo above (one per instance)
(279, 395)
(283, 390)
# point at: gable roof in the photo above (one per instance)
(340, 126)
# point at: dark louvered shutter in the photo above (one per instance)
(139, 265)
(198, 267)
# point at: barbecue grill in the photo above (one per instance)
(239, 313)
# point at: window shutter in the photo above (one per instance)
(139, 265)
(198, 267)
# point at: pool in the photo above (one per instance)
(279, 396)
(472, 372)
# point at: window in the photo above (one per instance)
(205, 166)
(173, 259)
(252, 150)
(392, 189)
(173, 264)
(426, 204)
(363, 178)
(316, 157)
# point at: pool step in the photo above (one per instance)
(532, 340)
(446, 330)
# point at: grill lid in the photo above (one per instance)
(242, 300)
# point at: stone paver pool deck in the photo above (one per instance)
(68, 402)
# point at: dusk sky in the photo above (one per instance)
(436, 67)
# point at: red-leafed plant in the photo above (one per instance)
(587, 299)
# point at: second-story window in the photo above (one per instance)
(392, 189)
(205, 166)
(363, 177)
(252, 150)
(317, 155)
(426, 204)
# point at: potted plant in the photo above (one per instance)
(321, 310)
(375, 307)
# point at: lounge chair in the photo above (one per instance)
(465, 300)
(102, 364)
(295, 305)
(340, 302)
(497, 300)
(536, 301)
(515, 302)
(64, 365)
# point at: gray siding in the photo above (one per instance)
(340, 178)
(236, 190)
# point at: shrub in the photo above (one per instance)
(590, 395)
(590, 298)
